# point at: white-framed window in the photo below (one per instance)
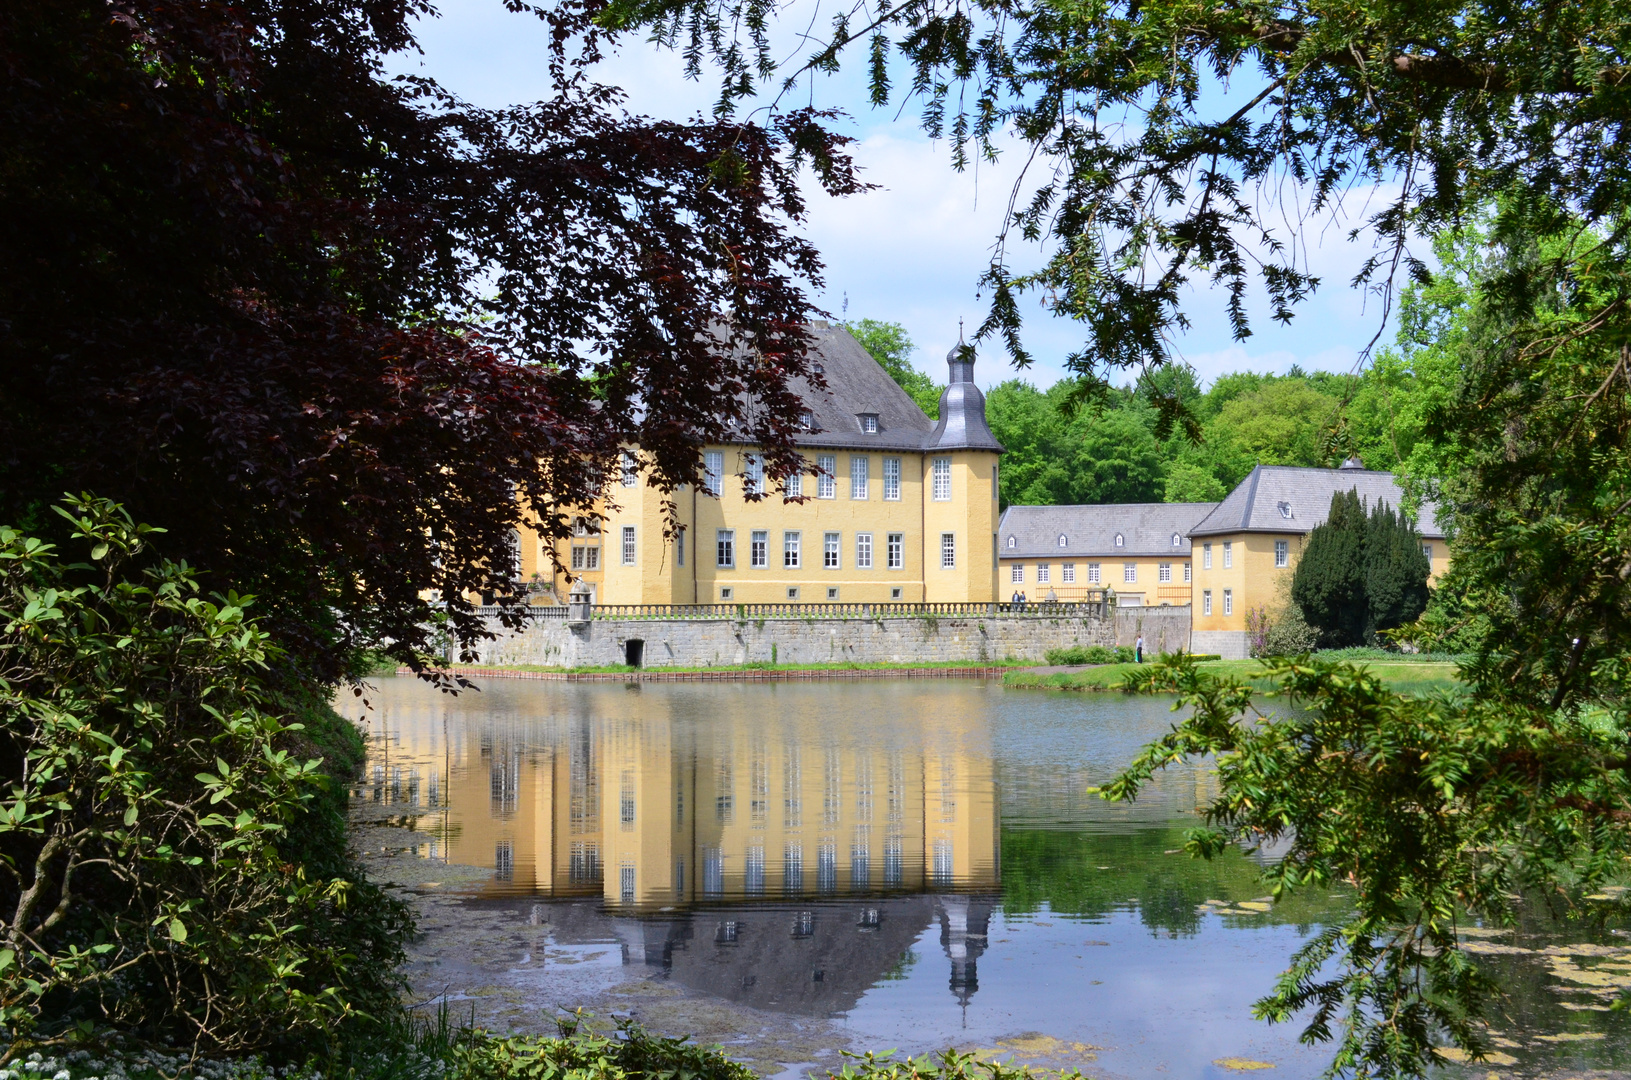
(759, 549)
(1016, 573)
(679, 546)
(1013, 542)
(1067, 573)
(793, 486)
(1427, 550)
(753, 475)
(1206, 556)
(1129, 573)
(895, 551)
(713, 472)
(1177, 541)
(827, 476)
(1228, 554)
(891, 479)
(1206, 601)
(1282, 553)
(1064, 541)
(628, 545)
(631, 470)
(1228, 601)
(790, 550)
(1163, 572)
(942, 479)
(863, 551)
(1093, 573)
(948, 550)
(1186, 573)
(1043, 572)
(1285, 510)
(725, 548)
(860, 476)
(869, 422)
(830, 543)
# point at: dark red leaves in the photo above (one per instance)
(334, 332)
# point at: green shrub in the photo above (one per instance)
(175, 851)
(1360, 573)
(580, 1054)
(1092, 654)
(1289, 634)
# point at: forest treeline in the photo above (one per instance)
(1068, 447)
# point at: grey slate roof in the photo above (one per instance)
(857, 385)
(1146, 528)
(1261, 502)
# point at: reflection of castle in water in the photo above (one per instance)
(789, 861)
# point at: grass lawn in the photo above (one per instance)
(1403, 675)
(620, 669)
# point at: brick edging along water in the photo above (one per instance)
(729, 674)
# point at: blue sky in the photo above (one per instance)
(913, 250)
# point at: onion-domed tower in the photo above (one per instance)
(960, 491)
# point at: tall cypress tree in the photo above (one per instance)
(1395, 571)
(1329, 583)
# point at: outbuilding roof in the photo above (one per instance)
(1289, 499)
(1147, 530)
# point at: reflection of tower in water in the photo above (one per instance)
(964, 923)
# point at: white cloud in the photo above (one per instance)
(913, 251)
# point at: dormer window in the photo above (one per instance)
(1063, 542)
(1177, 541)
(807, 419)
(1012, 542)
(1285, 510)
(1121, 541)
(818, 368)
(869, 422)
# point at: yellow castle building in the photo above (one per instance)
(892, 506)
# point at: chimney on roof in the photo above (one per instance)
(1352, 463)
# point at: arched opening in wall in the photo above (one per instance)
(634, 651)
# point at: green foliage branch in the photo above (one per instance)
(161, 871)
(1139, 185)
(1426, 807)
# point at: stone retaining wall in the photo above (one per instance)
(727, 641)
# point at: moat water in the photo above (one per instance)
(796, 869)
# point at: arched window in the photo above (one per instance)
(1012, 542)
(1121, 541)
(1062, 541)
